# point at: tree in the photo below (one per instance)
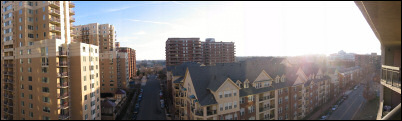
(138, 73)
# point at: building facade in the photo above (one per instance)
(179, 50)
(256, 89)
(38, 62)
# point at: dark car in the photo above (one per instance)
(136, 110)
(134, 117)
(137, 105)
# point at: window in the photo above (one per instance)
(29, 60)
(250, 109)
(250, 98)
(86, 107)
(242, 100)
(280, 101)
(45, 89)
(29, 51)
(44, 80)
(30, 19)
(7, 23)
(221, 107)
(241, 111)
(45, 117)
(30, 43)
(20, 3)
(85, 97)
(22, 95)
(83, 49)
(29, 69)
(46, 109)
(20, 11)
(234, 93)
(220, 94)
(30, 87)
(31, 114)
(21, 52)
(235, 104)
(43, 9)
(30, 105)
(44, 17)
(85, 88)
(30, 96)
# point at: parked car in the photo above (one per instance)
(335, 107)
(134, 117)
(139, 99)
(323, 117)
(142, 90)
(136, 110)
(137, 105)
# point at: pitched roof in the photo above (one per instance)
(120, 91)
(108, 104)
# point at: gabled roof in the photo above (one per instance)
(108, 104)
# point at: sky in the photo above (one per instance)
(263, 28)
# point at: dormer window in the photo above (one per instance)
(277, 80)
(283, 79)
(246, 84)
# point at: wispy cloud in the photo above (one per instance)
(140, 33)
(154, 22)
(117, 9)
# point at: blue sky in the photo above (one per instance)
(257, 28)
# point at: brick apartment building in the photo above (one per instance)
(258, 88)
(179, 50)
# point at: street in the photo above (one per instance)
(150, 108)
(350, 106)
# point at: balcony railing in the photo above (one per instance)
(45, 64)
(63, 106)
(213, 112)
(71, 4)
(391, 76)
(54, 20)
(62, 53)
(64, 63)
(62, 74)
(62, 85)
(54, 4)
(64, 116)
(8, 73)
(64, 95)
(54, 12)
(8, 81)
(72, 19)
(55, 29)
(199, 113)
(8, 65)
(55, 37)
(72, 12)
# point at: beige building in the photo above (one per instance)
(384, 18)
(41, 65)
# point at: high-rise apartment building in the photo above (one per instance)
(102, 35)
(384, 18)
(217, 52)
(179, 50)
(43, 74)
(126, 65)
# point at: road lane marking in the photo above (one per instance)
(343, 115)
(356, 111)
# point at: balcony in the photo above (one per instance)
(62, 53)
(55, 29)
(54, 4)
(391, 77)
(8, 73)
(62, 74)
(63, 106)
(72, 19)
(213, 112)
(54, 12)
(54, 20)
(62, 96)
(71, 4)
(64, 116)
(72, 12)
(55, 37)
(199, 113)
(8, 65)
(8, 81)
(62, 64)
(62, 85)
(45, 64)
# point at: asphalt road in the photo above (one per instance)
(349, 107)
(150, 108)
